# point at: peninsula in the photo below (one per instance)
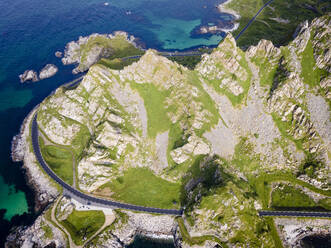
(241, 132)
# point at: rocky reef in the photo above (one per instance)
(29, 75)
(223, 138)
(48, 71)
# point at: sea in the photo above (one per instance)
(31, 31)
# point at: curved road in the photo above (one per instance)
(253, 19)
(80, 195)
(295, 214)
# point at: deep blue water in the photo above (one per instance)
(30, 33)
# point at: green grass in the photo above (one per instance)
(141, 187)
(273, 231)
(117, 63)
(244, 157)
(290, 197)
(265, 28)
(310, 73)
(60, 161)
(83, 224)
(154, 101)
(261, 185)
(48, 230)
(196, 240)
(118, 45)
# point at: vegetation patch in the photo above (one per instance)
(141, 187)
(118, 45)
(154, 99)
(60, 160)
(277, 22)
(285, 196)
(196, 240)
(83, 224)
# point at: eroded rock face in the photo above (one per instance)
(41, 234)
(29, 75)
(48, 71)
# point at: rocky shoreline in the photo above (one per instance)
(45, 192)
(73, 50)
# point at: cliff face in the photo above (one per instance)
(266, 110)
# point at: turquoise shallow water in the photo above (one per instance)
(30, 33)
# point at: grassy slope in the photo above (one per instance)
(265, 28)
(290, 197)
(83, 224)
(154, 99)
(140, 186)
(60, 160)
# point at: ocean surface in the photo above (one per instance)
(31, 31)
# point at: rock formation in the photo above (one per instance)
(48, 71)
(29, 75)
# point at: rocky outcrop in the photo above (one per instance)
(48, 71)
(41, 234)
(58, 54)
(89, 50)
(29, 75)
(137, 224)
(294, 230)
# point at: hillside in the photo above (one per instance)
(277, 22)
(243, 131)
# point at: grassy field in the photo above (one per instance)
(290, 197)
(277, 22)
(141, 187)
(261, 185)
(83, 224)
(158, 120)
(60, 160)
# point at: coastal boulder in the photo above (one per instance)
(29, 75)
(48, 71)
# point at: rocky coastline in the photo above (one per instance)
(45, 192)
(73, 53)
(220, 26)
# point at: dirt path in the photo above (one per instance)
(71, 242)
(109, 219)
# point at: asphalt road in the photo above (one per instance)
(295, 214)
(80, 195)
(254, 17)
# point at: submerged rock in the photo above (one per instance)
(29, 75)
(48, 71)
(58, 54)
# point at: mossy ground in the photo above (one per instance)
(141, 187)
(83, 224)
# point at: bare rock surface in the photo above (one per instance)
(29, 75)
(48, 71)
